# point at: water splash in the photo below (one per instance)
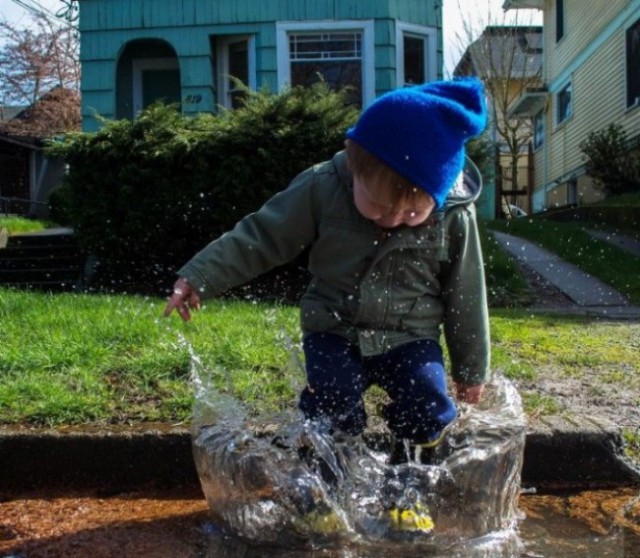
(287, 482)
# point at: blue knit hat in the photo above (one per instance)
(420, 131)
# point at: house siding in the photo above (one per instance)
(602, 75)
(590, 56)
(584, 20)
(107, 26)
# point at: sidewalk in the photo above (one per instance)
(626, 243)
(590, 295)
(560, 449)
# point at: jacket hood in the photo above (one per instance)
(467, 187)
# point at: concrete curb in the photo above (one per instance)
(558, 455)
(577, 453)
(108, 460)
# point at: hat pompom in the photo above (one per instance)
(420, 131)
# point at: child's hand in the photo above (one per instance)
(182, 298)
(469, 394)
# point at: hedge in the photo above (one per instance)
(143, 195)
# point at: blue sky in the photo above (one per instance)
(16, 14)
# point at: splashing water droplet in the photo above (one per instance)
(289, 481)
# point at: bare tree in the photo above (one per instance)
(506, 53)
(37, 58)
(40, 68)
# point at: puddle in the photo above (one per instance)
(598, 524)
(257, 489)
(254, 479)
(284, 481)
(167, 524)
(177, 524)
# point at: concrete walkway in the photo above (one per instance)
(621, 241)
(589, 294)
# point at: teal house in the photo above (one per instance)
(134, 52)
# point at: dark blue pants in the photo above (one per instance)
(413, 376)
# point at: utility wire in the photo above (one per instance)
(39, 10)
(33, 7)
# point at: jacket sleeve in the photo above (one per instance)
(272, 236)
(466, 323)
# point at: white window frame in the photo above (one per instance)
(222, 65)
(283, 29)
(429, 36)
(138, 67)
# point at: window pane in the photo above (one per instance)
(633, 64)
(320, 46)
(238, 65)
(559, 19)
(564, 104)
(336, 74)
(572, 192)
(239, 61)
(336, 57)
(414, 60)
(538, 130)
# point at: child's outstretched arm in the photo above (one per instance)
(182, 299)
(274, 235)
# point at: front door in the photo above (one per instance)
(160, 85)
(155, 79)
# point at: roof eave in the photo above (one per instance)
(22, 141)
(530, 103)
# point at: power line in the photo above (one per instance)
(39, 10)
(36, 9)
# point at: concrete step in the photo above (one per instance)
(50, 260)
(12, 258)
(55, 237)
(39, 275)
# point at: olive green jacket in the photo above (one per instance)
(378, 287)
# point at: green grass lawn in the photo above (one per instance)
(599, 258)
(70, 358)
(602, 352)
(113, 359)
(630, 199)
(16, 225)
(77, 359)
(506, 287)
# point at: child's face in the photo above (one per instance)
(386, 216)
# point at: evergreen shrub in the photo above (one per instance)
(611, 161)
(144, 195)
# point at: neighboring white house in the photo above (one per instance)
(591, 78)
